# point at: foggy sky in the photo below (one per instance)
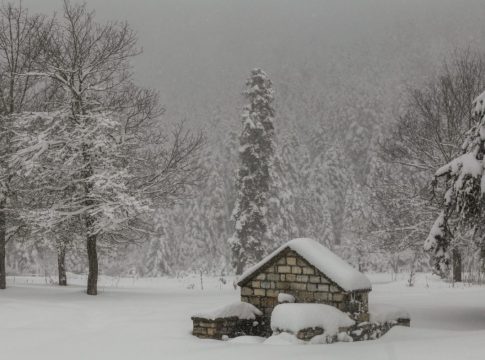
(197, 53)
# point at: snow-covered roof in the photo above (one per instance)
(331, 265)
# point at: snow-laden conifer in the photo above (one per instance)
(253, 178)
(462, 208)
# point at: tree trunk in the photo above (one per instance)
(61, 266)
(3, 275)
(482, 255)
(93, 266)
(91, 236)
(239, 268)
(456, 265)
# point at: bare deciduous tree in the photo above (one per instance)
(429, 135)
(21, 38)
(103, 154)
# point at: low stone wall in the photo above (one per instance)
(232, 327)
(227, 327)
(372, 331)
(359, 332)
(309, 333)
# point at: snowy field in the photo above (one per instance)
(150, 319)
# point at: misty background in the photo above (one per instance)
(197, 54)
(341, 71)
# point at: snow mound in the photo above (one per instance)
(382, 313)
(285, 298)
(241, 310)
(283, 339)
(295, 317)
(335, 268)
(247, 340)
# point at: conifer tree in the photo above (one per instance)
(336, 186)
(158, 253)
(462, 207)
(281, 202)
(253, 178)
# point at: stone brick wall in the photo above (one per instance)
(232, 327)
(289, 273)
(359, 332)
(229, 326)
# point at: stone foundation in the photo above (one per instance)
(228, 327)
(360, 332)
(372, 331)
(309, 333)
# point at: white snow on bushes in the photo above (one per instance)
(437, 231)
(241, 310)
(479, 104)
(335, 268)
(296, 317)
(464, 165)
(382, 313)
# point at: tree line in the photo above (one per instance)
(85, 153)
(391, 212)
(86, 158)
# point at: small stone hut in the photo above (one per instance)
(309, 272)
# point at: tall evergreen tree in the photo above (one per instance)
(336, 186)
(253, 178)
(328, 182)
(158, 254)
(281, 201)
(462, 211)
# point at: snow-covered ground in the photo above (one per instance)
(150, 319)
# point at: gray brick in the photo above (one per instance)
(302, 278)
(261, 276)
(246, 291)
(308, 271)
(265, 284)
(298, 286)
(284, 269)
(321, 296)
(259, 292)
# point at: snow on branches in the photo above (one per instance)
(463, 198)
(52, 151)
(253, 180)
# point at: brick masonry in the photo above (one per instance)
(289, 273)
(230, 327)
(359, 332)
